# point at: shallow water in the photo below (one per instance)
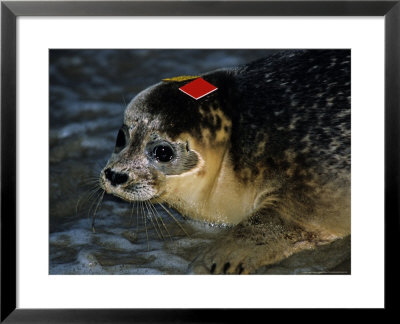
(89, 90)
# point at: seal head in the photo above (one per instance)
(171, 147)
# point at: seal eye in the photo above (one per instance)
(121, 141)
(163, 153)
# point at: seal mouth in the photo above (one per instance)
(131, 193)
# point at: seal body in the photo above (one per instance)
(268, 152)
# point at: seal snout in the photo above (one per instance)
(115, 178)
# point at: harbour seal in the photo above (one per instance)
(267, 152)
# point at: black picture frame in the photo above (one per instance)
(10, 10)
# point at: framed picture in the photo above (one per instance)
(85, 74)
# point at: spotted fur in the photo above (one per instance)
(269, 150)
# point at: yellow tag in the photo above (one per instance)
(181, 78)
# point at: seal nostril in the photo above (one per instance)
(120, 178)
(109, 174)
(115, 178)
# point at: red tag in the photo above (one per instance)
(198, 88)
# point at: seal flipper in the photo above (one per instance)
(263, 239)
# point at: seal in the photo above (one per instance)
(268, 152)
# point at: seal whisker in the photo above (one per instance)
(142, 213)
(86, 197)
(90, 181)
(99, 164)
(155, 218)
(157, 215)
(151, 219)
(141, 210)
(77, 204)
(95, 197)
(131, 215)
(174, 218)
(137, 217)
(161, 219)
(95, 211)
(145, 227)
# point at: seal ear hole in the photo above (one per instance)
(187, 146)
